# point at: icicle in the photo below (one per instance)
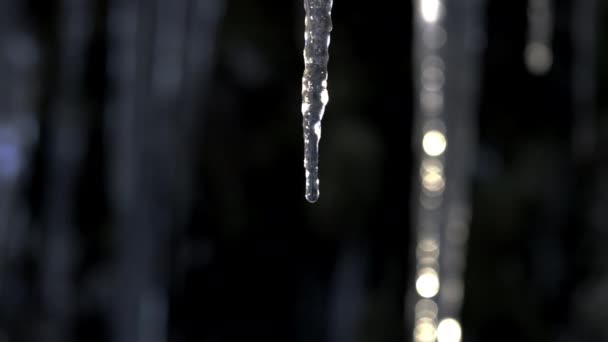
(137, 227)
(19, 91)
(584, 40)
(67, 144)
(431, 147)
(19, 67)
(538, 53)
(158, 60)
(314, 86)
(448, 77)
(204, 18)
(463, 59)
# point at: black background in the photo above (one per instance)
(256, 261)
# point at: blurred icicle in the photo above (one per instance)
(134, 239)
(429, 146)
(347, 299)
(584, 39)
(68, 126)
(159, 62)
(19, 69)
(448, 70)
(463, 60)
(538, 54)
(204, 18)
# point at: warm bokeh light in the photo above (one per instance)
(427, 252)
(427, 283)
(434, 143)
(538, 57)
(431, 172)
(426, 308)
(428, 246)
(449, 330)
(430, 10)
(425, 330)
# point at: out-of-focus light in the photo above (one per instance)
(11, 159)
(427, 283)
(431, 172)
(425, 330)
(449, 330)
(452, 289)
(433, 61)
(426, 308)
(430, 10)
(434, 36)
(430, 202)
(431, 102)
(539, 58)
(427, 252)
(457, 232)
(428, 246)
(434, 143)
(433, 78)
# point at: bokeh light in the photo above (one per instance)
(427, 283)
(449, 330)
(434, 143)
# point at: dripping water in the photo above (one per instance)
(314, 86)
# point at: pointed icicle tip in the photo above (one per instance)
(312, 198)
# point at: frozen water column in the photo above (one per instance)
(318, 26)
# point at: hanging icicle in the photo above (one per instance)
(314, 86)
(538, 54)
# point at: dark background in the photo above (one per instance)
(215, 225)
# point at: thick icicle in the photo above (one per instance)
(448, 77)
(430, 147)
(314, 87)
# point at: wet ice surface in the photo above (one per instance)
(314, 87)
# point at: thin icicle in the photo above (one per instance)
(463, 57)
(314, 86)
(19, 67)
(123, 66)
(584, 40)
(66, 148)
(539, 52)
